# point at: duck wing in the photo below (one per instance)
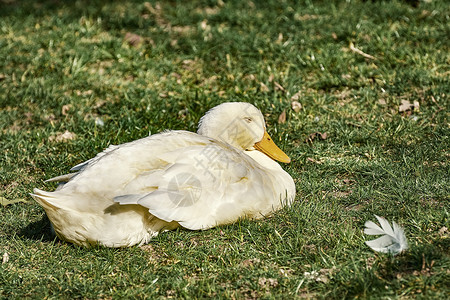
(178, 176)
(202, 186)
(96, 158)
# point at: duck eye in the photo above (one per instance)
(248, 119)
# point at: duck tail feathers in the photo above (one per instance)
(44, 199)
(62, 178)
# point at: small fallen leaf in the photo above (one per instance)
(334, 36)
(314, 135)
(296, 96)
(28, 117)
(341, 194)
(280, 38)
(5, 202)
(61, 137)
(270, 282)
(250, 77)
(278, 86)
(282, 118)
(313, 160)
(2, 77)
(183, 113)
(99, 103)
(65, 109)
(310, 248)
(250, 262)
(263, 87)
(5, 258)
(296, 106)
(443, 231)
(133, 39)
(204, 24)
(50, 117)
(322, 278)
(406, 105)
(67, 135)
(84, 93)
(381, 101)
(188, 62)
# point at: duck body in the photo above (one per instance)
(129, 193)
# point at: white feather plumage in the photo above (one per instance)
(393, 240)
(129, 193)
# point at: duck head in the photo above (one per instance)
(241, 125)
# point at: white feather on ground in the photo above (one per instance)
(393, 240)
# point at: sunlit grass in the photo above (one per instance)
(72, 67)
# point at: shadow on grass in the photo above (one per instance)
(73, 10)
(39, 231)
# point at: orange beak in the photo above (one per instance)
(268, 147)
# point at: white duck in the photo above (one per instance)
(129, 193)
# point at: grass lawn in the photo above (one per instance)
(371, 137)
